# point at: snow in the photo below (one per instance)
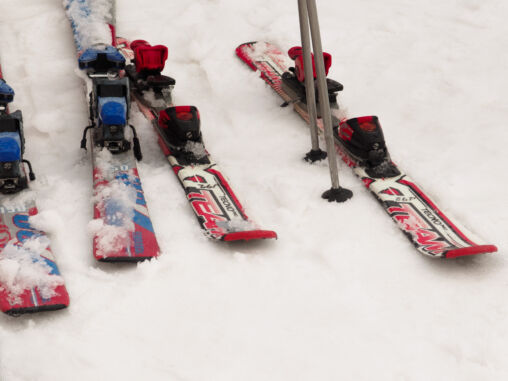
(117, 198)
(156, 102)
(341, 294)
(23, 268)
(89, 20)
(197, 149)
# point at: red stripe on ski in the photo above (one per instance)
(113, 34)
(473, 250)
(434, 207)
(244, 57)
(249, 235)
(226, 185)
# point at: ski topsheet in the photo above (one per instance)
(122, 227)
(218, 210)
(29, 277)
(433, 232)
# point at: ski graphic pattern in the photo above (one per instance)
(432, 232)
(15, 229)
(218, 210)
(17, 232)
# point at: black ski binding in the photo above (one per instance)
(109, 106)
(180, 129)
(364, 141)
(12, 147)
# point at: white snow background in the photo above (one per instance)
(342, 294)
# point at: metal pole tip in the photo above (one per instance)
(337, 194)
(315, 155)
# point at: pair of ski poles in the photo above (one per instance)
(309, 28)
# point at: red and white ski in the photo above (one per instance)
(428, 227)
(218, 210)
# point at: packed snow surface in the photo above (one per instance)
(342, 294)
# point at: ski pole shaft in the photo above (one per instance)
(309, 74)
(323, 91)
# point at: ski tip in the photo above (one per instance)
(249, 235)
(472, 250)
(246, 43)
(243, 55)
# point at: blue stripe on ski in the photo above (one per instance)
(143, 221)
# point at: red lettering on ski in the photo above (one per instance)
(5, 235)
(204, 205)
(412, 223)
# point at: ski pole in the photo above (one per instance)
(336, 193)
(316, 153)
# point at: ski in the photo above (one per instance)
(123, 230)
(29, 277)
(218, 210)
(360, 143)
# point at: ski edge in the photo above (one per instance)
(15, 312)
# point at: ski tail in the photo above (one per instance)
(249, 235)
(126, 233)
(361, 144)
(472, 250)
(36, 285)
(432, 231)
(30, 280)
(218, 210)
(32, 301)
